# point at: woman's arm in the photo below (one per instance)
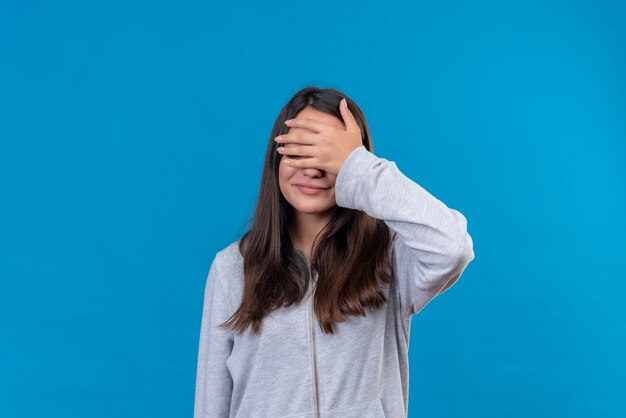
(432, 246)
(213, 381)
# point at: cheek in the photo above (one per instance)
(331, 179)
(284, 175)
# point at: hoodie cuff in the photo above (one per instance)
(351, 172)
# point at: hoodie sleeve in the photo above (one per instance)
(213, 381)
(431, 247)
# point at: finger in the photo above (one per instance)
(300, 163)
(295, 151)
(296, 138)
(348, 118)
(311, 124)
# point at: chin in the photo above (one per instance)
(311, 207)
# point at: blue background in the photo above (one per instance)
(132, 142)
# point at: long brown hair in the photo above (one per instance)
(349, 254)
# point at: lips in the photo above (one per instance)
(311, 186)
(310, 190)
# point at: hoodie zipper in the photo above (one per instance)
(315, 385)
(317, 398)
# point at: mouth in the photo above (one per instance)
(311, 190)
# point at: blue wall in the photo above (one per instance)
(132, 140)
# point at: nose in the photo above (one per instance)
(312, 172)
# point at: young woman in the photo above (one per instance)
(309, 313)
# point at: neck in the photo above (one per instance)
(305, 227)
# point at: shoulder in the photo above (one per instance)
(228, 257)
(229, 264)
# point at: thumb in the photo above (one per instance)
(348, 118)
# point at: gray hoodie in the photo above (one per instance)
(293, 369)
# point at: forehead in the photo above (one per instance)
(326, 118)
